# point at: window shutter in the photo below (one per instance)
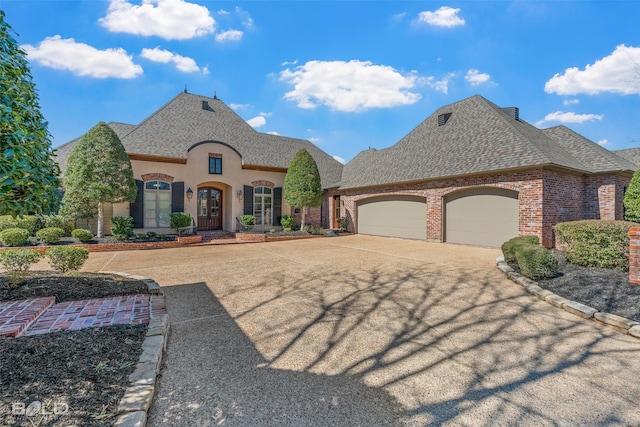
(277, 205)
(136, 209)
(248, 200)
(177, 197)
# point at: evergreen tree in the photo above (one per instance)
(98, 172)
(28, 174)
(302, 187)
(632, 199)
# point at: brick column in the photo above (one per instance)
(634, 255)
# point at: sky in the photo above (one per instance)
(345, 75)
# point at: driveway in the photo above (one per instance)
(363, 331)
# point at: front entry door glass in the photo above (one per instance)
(209, 209)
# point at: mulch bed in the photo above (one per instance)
(87, 370)
(603, 289)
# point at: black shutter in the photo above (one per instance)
(177, 197)
(248, 200)
(136, 209)
(277, 205)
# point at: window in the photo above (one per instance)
(157, 204)
(215, 164)
(263, 205)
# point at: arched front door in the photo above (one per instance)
(209, 208)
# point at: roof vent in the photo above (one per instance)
(206, 106)
(443, 118)
(513, 112)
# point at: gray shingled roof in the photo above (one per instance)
(189, 119)
(478, 137)
(63, 151)
(630, 154)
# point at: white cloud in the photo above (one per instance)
(247, 20)
(441, 85)
(230, 35)
(314, 139)
(273, 132)
(349, 86)
(169, 19)
(222, 12)
(569, 117)
(182, 63)
(443, 17)
(257, 121)
(82, 59)
(616, 73)
(603, 142)
(339, 159)
(571, 102)
(476, 78)
(239, 106)
(285, 63)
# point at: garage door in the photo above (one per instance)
(393, 216)
(486, 217)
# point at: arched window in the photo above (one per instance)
(157, 204)
(263, 205)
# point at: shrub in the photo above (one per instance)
(83, 235)
(27, 222)
(596, 243)
(287, 222)
(122, 227)
(6, 222)
(152, 235)
(50, 235)
(509, 247)
(247, 221)
(67, 258)
(343, 223)
(314, 230)
(536, 262)
(14, 236)
(17, 263)
(179, 220)
(59, 221)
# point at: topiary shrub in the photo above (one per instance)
(14, 236)
(17, 262)
(247, 221)
(67, 258)
(536, 262)
(50, 235)
(83, 235)
(509, 247)
(596, 243)
(6, 222)
(122, 227)
(27, 222)
(178, 220)
(59, 221)
(287, 221)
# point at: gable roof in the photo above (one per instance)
(189, 119)
(468, 137)
(630, 154)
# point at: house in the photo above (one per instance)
(471, 173)
(196, 155)
(475, 173)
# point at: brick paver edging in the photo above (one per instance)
(137, 399)
(619, 323)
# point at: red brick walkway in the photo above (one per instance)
(40, 315)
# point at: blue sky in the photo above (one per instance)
(346, 75)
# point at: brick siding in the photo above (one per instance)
(634, 255)
(157, 177)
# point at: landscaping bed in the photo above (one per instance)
(603, 289)
(87, 369)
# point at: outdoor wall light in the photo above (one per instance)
(239, 194)
(189, 193)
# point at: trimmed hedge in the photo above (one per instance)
(59, 221)
(50, 235)
(17, 262)
(536, 262)
(83, 235)
(178, 220)
(67, 258)
(14, 236)
(509, 247)
(596, 243)
(26, 222)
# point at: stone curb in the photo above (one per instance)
(137, 399)
(621, 324)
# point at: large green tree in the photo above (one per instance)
(302, 186)
(28, 174)
(632, 199)
(98, 172)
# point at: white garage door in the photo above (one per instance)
(484, 216)
(393, 216)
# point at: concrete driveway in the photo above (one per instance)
(363, 331)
